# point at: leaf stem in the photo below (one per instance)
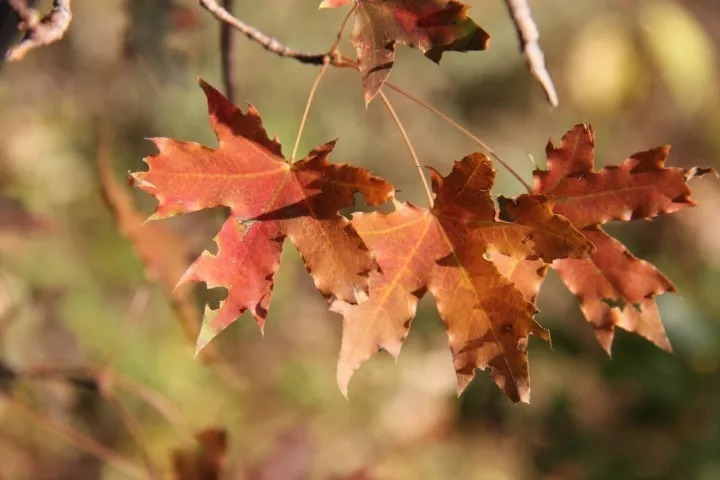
(463, 130)
(334, 48)
(418, 167)
(311, 96)
(327, 61)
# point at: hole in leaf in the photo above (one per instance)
(214, 296)
(615, 303)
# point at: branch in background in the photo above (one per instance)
(528, 35)
(226, 53)
(272, 45)
(79, 440)
(133, 427)
(45, 31)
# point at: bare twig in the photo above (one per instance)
(271, 44)
(418, 166)
(463, 130)
(97, 379)
(528, 36)
(157, 402)
(133, 427)
(137, 306)
(82, 442)
(227, 54)
(48, 30)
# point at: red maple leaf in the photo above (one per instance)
(269, 199)
(433, 26)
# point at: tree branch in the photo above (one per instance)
(49, 29)
(79, 440)
(271, 44)
(528, 36)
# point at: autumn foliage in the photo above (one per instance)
(269, 199)
(434, 27)
(483, 265)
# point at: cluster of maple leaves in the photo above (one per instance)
(484, 265)
(483, 261)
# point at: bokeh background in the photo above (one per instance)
(92, 349)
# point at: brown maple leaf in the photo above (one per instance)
(433, 26)
(269, 199)
(443, 250)
(615, 288)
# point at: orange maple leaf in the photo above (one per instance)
(443, 250)
(269, 198)
(615, 288)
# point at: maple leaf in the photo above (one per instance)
(269, 198)
(443, 250)
(433, 26)
(615, 288)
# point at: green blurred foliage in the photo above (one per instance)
(644, 73)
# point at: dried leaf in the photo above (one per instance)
(615, 288)
(433, 26)
(443, 250)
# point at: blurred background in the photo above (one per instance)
(98, 377)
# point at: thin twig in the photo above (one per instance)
(271, 44)
(137, 306)
(227, 54)
(311, 96)
(463, 130)
(48, 30)
(528, 36)
(82, 442)
(419, 167)
(93, 378)
(157, 402)
(133, 428)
